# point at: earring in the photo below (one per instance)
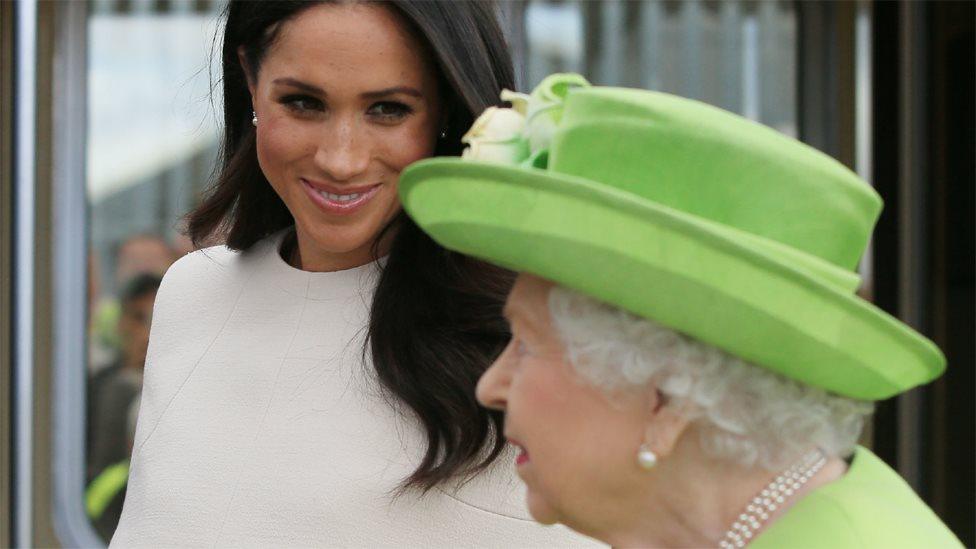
(646, 459)
(443, 134)
(254, 121)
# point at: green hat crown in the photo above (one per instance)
(788, 199)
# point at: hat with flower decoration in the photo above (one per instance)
(680, 212)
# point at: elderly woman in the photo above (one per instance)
(689, 365)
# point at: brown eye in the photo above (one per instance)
(390, 110)
(301, 103)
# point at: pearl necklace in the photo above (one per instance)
(771, 497)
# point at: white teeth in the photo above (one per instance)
(340, 197)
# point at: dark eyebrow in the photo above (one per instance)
(406, 90)
(300, 85)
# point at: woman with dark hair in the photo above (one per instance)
(310, 382)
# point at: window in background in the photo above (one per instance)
(737, 55)
(152, 140)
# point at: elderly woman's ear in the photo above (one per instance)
(666, 421)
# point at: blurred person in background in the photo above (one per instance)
(118, 339)
(136, 255)
(102, 341)
(105, 494)
(311, 381)
(689, 365)
(113, 389)
(143, 253)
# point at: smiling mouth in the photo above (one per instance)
(341, 197)
(339, 201)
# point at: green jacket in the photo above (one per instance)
(869, 507)
(104, 498)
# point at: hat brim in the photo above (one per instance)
(679, 270)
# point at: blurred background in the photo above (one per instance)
(109, 129)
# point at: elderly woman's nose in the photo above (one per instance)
(344, 151)
(492, 389)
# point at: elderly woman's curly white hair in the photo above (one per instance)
(748, 415)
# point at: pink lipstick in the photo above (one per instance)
(339, 201)
(523, 456)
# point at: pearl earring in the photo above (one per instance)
(646, 459)
(254, 120)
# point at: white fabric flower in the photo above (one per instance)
(497, 136)
(540, 117)
(524, 132)
(520, 101)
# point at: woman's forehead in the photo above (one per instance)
(369, 41)
(528, 302)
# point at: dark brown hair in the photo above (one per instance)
(435, 323)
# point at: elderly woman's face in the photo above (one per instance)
(345, 97)
(577, 448)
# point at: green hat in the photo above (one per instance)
(680, 212)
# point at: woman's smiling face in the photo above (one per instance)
(346, 97)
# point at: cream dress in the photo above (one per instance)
(261, 426)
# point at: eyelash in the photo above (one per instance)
(301, 104)
(401, 110)
(304, 105)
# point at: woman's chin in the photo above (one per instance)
(332, 240)
(540, 509)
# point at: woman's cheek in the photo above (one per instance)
(282, 140)
(269, 147)
(279, 147)
(410, 144)
(542, 404)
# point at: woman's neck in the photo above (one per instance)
(697, 500)
(302, 253)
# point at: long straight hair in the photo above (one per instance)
(435, 322)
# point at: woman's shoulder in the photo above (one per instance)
(203, 266)
(213, 269)
(871, 506)
(200, 277)
(195, 301)
(200, 289)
